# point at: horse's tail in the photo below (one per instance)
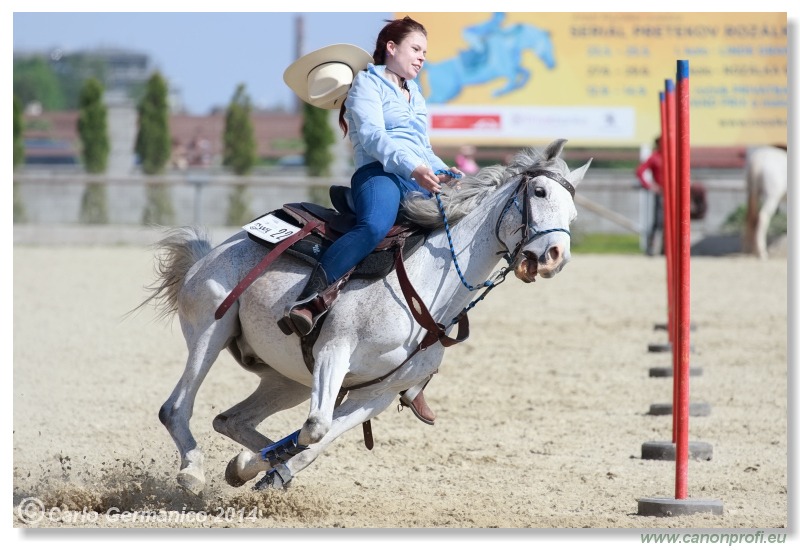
(177, 253)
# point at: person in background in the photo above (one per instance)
(386, 119)
(650, 174)
(465, 160)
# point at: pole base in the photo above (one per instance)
(664, 507)
(695, 409)
(663, 326)
(665, 450)
(661, 348)
(666, 372)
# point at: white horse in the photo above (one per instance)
(522, 210)
(766, 172)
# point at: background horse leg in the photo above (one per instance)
(768, 209)
(751, 215)
(204, 347)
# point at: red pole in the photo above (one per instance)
(671, 234)
(684, 270)
(666, 210)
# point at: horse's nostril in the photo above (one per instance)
(554, 253)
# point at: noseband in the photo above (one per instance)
(529, 233)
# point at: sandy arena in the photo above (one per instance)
(541, 413)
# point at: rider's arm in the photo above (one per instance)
(365, 103)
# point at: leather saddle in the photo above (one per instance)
(332, 224)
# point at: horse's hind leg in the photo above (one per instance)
(204, 344)
(765, 215)
(275, 393)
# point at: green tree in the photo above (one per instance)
(19, 157)
(153, 146)
(35, 80)
(19, 130)
(239, 153)
(153, 140)
(93, 127)
(93, 131)
(239, 142)
(317, 137)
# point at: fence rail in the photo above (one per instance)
(611, 200)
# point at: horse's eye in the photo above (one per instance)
(540, 192)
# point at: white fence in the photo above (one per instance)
(610, 201)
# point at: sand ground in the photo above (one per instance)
(541, 413)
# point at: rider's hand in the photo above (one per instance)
(426, 179)
(447, 178)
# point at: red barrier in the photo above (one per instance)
(676, 145)
(683, 271)
(670, 219)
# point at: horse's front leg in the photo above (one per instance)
(517, 80)
(330, 368)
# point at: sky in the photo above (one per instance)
(204, 55)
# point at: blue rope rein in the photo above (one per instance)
(469, 287)
(488, 284)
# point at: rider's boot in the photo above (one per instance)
(312, 304)
(414, 399)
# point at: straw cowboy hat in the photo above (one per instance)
(323, 76)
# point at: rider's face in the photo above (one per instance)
(406, 58)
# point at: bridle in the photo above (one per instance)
(437, 332)
(529, 232)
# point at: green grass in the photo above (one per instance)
(601, 243)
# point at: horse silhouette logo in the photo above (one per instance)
(494, 52)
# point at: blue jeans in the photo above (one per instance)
(377, 195)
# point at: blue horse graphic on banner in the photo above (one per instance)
(494, 52)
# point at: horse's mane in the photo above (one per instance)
(425, 212)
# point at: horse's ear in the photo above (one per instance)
(576, 176)
(554, 149)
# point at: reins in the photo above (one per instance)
(436, 332)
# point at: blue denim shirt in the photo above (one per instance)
(384, 127)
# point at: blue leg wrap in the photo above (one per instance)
(281, 451)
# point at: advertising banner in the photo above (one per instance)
(595, 78)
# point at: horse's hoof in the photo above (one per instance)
(240, 469)
(192, 481)
(277, 478)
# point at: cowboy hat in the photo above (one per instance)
(323, 76)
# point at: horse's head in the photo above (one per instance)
(540, 42)
(534, 223)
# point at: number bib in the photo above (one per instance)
(270, 229)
